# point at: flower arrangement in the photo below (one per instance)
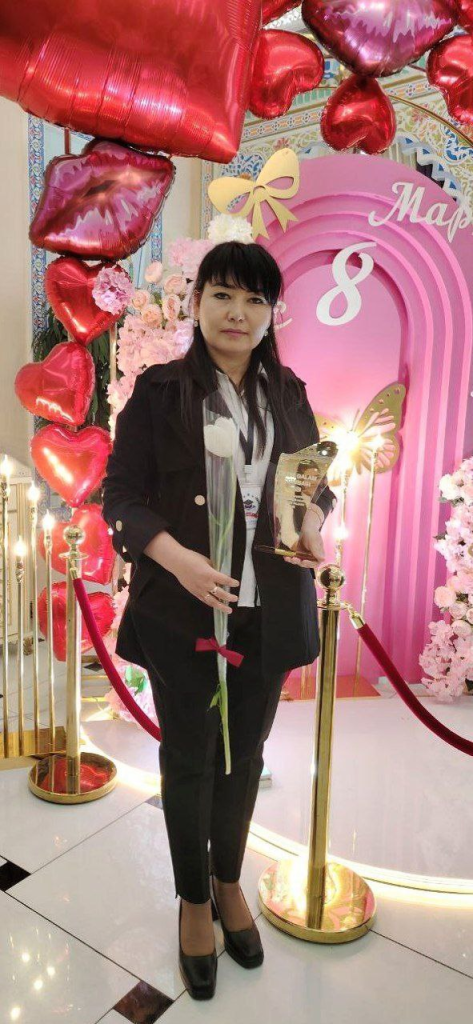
(448, 656)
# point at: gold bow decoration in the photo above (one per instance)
(282, 164)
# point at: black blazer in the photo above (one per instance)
(155, 480)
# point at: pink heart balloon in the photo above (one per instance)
(285, 65)
(72, 464)
(379, 37)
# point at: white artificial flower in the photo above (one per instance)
(221, 438)
(227, 228)
(448, 488)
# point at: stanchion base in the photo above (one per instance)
(49, 779)
(347, 914)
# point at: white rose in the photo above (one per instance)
(462, 628)
(221, 438)
(457, 609)
(448, 488)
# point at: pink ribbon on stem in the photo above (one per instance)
(211, 644)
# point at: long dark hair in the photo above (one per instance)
(250, 266)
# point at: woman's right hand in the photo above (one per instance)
(195, 572)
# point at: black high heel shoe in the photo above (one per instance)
(244, 946)
(199, 973)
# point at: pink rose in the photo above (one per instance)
(462, 628)
(469, 616)
(153, 272)
(457, 609)
(171, 307)
(152, 315)
(140, 298)
(444, 597)
(175, 283)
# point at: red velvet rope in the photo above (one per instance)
(107, 664)
(401, 687)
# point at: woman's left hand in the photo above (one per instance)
(310, 541)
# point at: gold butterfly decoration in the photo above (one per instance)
(381, 417)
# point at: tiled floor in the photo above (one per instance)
(88, 914)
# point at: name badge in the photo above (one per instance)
(251, 494)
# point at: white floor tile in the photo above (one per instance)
(116, 891)
(46, 975)
(364, 982)
(54, 827)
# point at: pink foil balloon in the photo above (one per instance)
(101, 204)
(59, 388)
(73, 464)
(97, 544)
(285, 64)
(170, 75)
(359, 114)
(450, 69)
(378, 37)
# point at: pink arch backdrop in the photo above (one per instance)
(414, 325)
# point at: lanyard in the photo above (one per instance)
(247, 442)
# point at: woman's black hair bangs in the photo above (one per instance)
(246, 265)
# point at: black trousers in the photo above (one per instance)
(200, 802)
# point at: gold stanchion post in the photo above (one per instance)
(20, 550)
(78, 776)
(320, 901)
(5, 486)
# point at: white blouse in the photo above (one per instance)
(248, 595)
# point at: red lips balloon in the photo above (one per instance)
(101, 204)
(102, 607)
(72, 464)
(169, 75)
(378, 37)
(60, 387)
(97, 544)
(359, 114)
(285, 65)
(68, 285)
(450, 68)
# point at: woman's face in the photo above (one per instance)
(222, 310)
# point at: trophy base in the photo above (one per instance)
(285, 552)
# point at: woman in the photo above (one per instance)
(155, 501)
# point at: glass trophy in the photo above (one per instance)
(296, 482)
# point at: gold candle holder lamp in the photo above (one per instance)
(48, 524)
(324, 901)
(76, 776)
(20, 551)
(33, 496)
(5, 471)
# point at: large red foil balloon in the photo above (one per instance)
(72, 464)
(97, 544)
(450, 68)
(170, 75)
(378, 37)
(358, 114)
(101, 204)
(59, 388)
(273, 9)
(68, 284)
(102, 607)
(285, 65)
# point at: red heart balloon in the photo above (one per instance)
(72, 464)
(450, 68)
(378, 37)
(465, 13)
(68, 284)
(97, 544)
(273, 9)
(285, 65)
(60, 387)
(359, 114)
(102, 607)
(170, 75)
(101, 204)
